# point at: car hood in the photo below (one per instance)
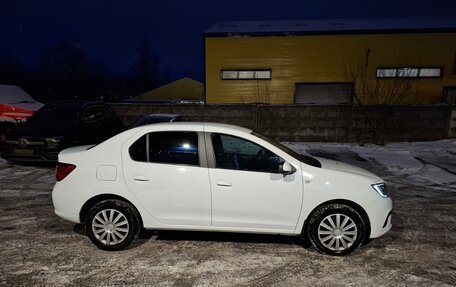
(348, 168)
(31, 106)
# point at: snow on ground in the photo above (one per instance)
(43, 249)
(422, 163)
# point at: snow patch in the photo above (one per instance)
(403, 159)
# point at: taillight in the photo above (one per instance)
(62, 170)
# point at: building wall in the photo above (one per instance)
(323, 58)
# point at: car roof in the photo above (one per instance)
(189, 126)
(218, 126)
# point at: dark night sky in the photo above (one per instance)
(110, 32)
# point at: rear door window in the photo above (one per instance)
(138, 150)
(167, 147)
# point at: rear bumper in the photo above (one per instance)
(67, 216)
(67, 204)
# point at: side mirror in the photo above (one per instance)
(286, 169)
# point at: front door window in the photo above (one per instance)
(239, 154)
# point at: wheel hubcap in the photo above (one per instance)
(110, 227)
(337, 232)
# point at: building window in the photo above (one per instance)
(409, 72)
(262, 74)
(246, 74)
(229, 75)
(386, 73)
(434, 72)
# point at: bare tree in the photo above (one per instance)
(371, 89)
(263, 91)
(256, 91)
(147, 69)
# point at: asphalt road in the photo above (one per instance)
(39, 248)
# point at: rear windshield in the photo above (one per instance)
(301, 157)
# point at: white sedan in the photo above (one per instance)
(216, 177)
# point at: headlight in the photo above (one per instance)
(53, 142)
(381, 189)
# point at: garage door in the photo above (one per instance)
(324, 94)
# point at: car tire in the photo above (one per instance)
(112, 224)
(336, 229)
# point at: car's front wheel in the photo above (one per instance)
(112, 224)
(336, 229)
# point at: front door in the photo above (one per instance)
(165, 172)
(247, 189)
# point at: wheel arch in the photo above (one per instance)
(84, 212)
(350, 203)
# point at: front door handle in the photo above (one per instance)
(223, 183)
(140, 178)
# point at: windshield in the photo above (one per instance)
(303, 158)
(58, 114)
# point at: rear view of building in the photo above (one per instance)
(383, 61)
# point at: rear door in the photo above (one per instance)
(167, 172)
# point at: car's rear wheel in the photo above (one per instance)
(112, 224)
(336, 229)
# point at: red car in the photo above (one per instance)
(15, 106)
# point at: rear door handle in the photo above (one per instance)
(140, 178)
(223, 183)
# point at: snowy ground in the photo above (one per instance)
(430, 164)
(420, 250)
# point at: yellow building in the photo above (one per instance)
(383, 61)
(182, 90)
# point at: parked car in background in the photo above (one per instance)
(216, 177)
(60, 125)
(16, 106)
(157, 118)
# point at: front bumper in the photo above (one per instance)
(380, 215)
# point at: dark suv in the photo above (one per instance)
(57, 126)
